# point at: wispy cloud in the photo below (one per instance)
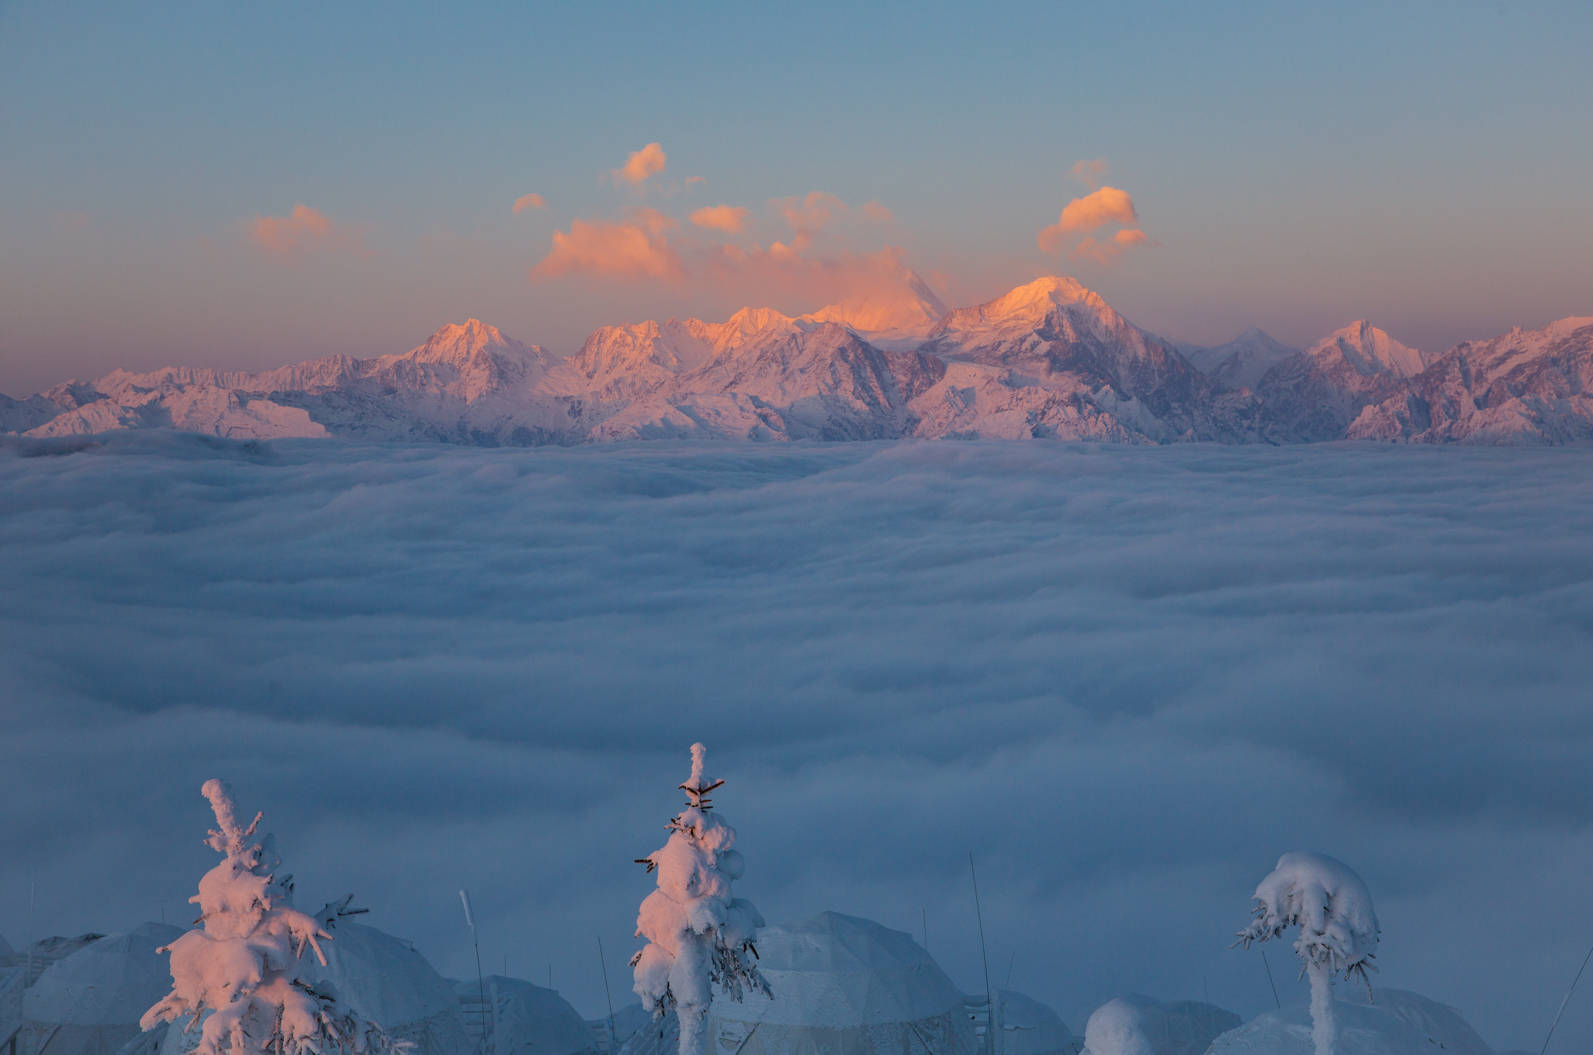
(1091, 172)
(529, 201)
(302, 229)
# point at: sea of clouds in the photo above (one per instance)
(1125, 679)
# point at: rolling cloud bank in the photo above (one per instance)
(1126, 678)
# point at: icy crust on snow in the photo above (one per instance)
(1399, 1023)
(111, 981)
(1329, 904)
(533, 1020)
(1139, 1025)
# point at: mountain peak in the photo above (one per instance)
(1369, 350)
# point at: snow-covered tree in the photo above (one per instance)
(239, 979)
(698, 935)
(1338, 930)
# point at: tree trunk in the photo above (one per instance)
(1323, 1029)
(693, 1028)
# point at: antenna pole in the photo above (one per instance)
(990, 1003)
(603, 963)
(1566, 1000)
(1270, 982)
(481, 982)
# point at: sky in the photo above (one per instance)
(244, 186)
(1125, 679)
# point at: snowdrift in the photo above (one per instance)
(1140, 1025)
(1399, 1023)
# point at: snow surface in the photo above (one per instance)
(1141, 1025)
(1399, 1023)
(112, 981)
(840, 971)
(1029, 1027)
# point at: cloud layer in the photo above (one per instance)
(1126, 679)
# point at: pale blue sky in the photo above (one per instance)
(1297, 167)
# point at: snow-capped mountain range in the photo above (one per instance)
(1047, 359)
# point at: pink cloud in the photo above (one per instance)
(1091, 173)
(1084, 216)
(529, 201)
(693, 180)
(809, 214)
(648, 161)
(636, 247)
(874, 212)
(1131, 236)
(303, 228)
(731, 219)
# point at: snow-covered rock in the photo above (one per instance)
(1241, 362)
(1140, 1025)
(1524, 387)
(1398, 1023)
(1048, 359)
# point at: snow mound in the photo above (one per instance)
(531, 1020)
(1029, 1027)
(845, 985)
(1399, 1023)
(112, 981)
(1140, 1025)
(383, 978)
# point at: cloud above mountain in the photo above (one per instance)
(1076, 229)
(637, 246)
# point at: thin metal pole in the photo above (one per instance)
(990, 1003)
(603, 963)
(1270, 982)
(1566, 1000)
(481, 982)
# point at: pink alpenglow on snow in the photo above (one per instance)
(1338, 928)
(239, 978)
(698, 935)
